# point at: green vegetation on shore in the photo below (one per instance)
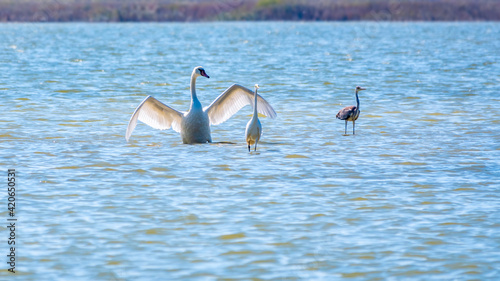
(213, 10)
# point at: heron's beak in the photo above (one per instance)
(362, 88)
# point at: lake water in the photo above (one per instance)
(415, 194)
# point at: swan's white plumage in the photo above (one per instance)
(232, 100)
(194, 125)
(156, 114)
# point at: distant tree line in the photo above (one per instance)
(213, 10)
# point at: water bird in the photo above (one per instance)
(350, 113)
(254, 128)
(194, 125)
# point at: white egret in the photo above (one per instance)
(254, 128)
(194, 125)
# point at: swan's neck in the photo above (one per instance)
(255, 113)
(194, 99)
(357, 101)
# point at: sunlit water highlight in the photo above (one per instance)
(413, 195)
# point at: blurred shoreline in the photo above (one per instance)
(247, 10)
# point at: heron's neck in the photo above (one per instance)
(357, 101)
(255, 104)
(194, 98)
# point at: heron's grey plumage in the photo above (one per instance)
(350, 113)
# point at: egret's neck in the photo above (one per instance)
(357, 100)
(194, 98)
(255, 114)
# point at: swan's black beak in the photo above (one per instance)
(203, 73)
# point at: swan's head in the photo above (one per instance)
(256, 86)
(358, 88)
(199, 71)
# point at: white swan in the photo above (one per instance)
(194, 125)
(254, 128)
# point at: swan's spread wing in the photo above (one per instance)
(232, 100)
(155, 114)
